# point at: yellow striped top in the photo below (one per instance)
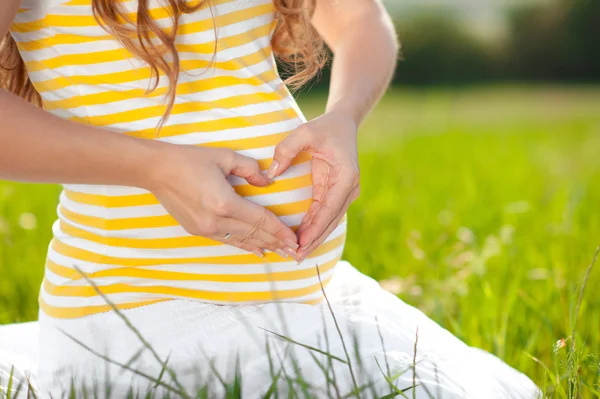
(121, 238)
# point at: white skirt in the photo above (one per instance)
(375, 343)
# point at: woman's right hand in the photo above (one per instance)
(191, 183)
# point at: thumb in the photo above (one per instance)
(248, 169)
(286, 151)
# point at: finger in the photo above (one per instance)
(256, 236)
(307, 219)
(321, 172)
(248, 247)
(304, 253)
(241, 242)
(329, 208)
(287, 150)
(314, 206)
(263, 219)
(248, 169)
(231, 231)
(254, 246)
(233, 239)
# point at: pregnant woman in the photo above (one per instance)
(202, 218)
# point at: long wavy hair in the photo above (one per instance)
(295, 43)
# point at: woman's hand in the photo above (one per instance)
(332, 141)
(191, 183)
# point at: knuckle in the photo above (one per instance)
(355, 175)
(228, 157)
(283, 151)
(356, 193)
(356, 179)
(208, 226)
(305, 130)
(251, 234)
(274, 242)
(221, 207)
(274, 225)
(254, 166)
(260, 222)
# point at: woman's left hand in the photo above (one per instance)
(331, 139)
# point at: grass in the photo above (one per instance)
(479, 206)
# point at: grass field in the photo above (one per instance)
(479, 206)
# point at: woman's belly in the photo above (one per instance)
(117, 246)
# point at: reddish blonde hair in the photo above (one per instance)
(295, 43)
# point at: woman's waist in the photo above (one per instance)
(142, 246)
(82, 275)
(129, 221)
(189, 254)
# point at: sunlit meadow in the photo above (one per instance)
(479, 206)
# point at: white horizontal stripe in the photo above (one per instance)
(232, 91)
(282, 198)
(194, 75)
(146, 233)
(230, 53)
(90, 49)
(74, 91)
(137, 253)
(47, 32)
(206, 268)
(134, 253)
(292, 220)
(112, 213)
(224, 31)
(159, 210)
(200, 285)
(202, 14)
(234, 134)
(294, 171)
(151, 233)
(156, 232)
(105, 189)
(101, 68)
(258, 153)
(199, 116)
(203, 96)
(76, 302)
(116, 299)
(96, 69)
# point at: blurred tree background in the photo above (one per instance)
(472, 42)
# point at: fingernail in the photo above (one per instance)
(305, 247)
(265, 173)
(272, 169)
(291, 244)
(290, 252)
(281, 253)
(258, 253)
